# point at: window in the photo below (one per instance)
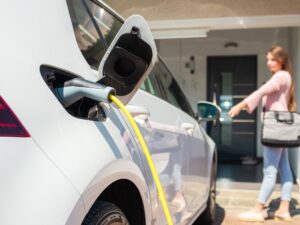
(172, 91)
(94, 29)
(151, 86)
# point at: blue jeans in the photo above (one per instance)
(276, 160)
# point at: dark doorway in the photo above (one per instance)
(230, 79)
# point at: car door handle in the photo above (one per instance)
(189, 127)
(138, 112)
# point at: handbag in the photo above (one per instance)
(281, 129)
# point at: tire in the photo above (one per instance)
(105, 213)
(208, 215)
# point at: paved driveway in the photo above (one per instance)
(233, 201)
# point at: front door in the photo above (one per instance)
(230, 80)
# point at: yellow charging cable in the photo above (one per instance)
(145, 149)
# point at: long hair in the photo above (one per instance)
(282, 57)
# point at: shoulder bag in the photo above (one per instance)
(281, 129)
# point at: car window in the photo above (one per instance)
(94, 29)
(172, 91)
(151, 86)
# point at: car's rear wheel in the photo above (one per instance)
(209, 214)
(105, 213)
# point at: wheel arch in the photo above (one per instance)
(123, 184)
(124, 194)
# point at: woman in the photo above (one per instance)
(276, 94)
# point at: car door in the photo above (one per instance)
(176, 142)
(196, 168)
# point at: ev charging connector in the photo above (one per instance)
(77, 88)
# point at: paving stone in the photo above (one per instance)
(245, 194)
(231, 202)
(237, 203)
(223, 201)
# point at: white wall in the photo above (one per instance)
(294, 50)
(250, 42)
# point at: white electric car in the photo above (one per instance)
(68, 155)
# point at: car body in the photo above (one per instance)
(67, 161)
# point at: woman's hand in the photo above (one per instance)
(236, 109)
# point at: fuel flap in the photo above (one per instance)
(129, 58)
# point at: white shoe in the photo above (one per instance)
(246, 157)
(249, 161)
(252, 216)
(179, 204)
(186, 215)
(283, 216)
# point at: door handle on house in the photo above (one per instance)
(138, 112)
(214, 100)
(189, 127)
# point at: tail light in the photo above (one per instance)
(10, 126)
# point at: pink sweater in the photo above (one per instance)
(274, 93)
